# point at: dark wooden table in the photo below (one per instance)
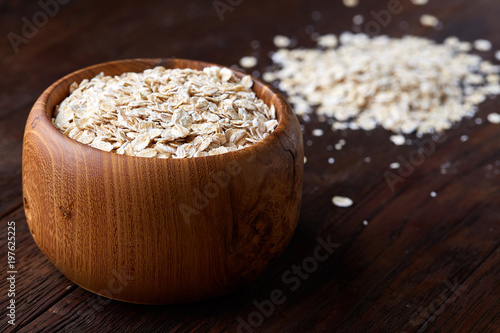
(426, 264)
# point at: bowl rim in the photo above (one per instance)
(40, 112)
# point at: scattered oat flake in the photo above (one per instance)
(268, 76)
(339, 145)
(317, 132)
(305, 160)
(342, 201)
(281, 41)
(367, 159)
(464, 138)
(247, 82)
(316, 15)
(331, 160)
(365, 222)
(394, 165)
(444, 167)
(497, 55)
(255, 44)
(350, 3)
(433, 194)
(419, 2)
(348, 82)
(248, 62)
(358, 19)
(403, 25)
(428, 20)
(398, 140)
(494, 118)
(482, 45)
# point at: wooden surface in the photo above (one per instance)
(180, 230)
(421, 264)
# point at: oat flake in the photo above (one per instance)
(350, 3)
(358, 19)
(342, 201)
(482, 45)
(419, 2)
(394, 165)
(281, 41)
(428, 20)
(327, 41)
(494, 118)
(398, 140)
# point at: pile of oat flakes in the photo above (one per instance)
(405, 85)
(166, 113)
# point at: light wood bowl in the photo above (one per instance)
(114, 224)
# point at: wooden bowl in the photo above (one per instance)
(160, 231)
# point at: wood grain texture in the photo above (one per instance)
(157, 231)
(389, 276)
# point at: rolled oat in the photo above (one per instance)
(340, 201)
